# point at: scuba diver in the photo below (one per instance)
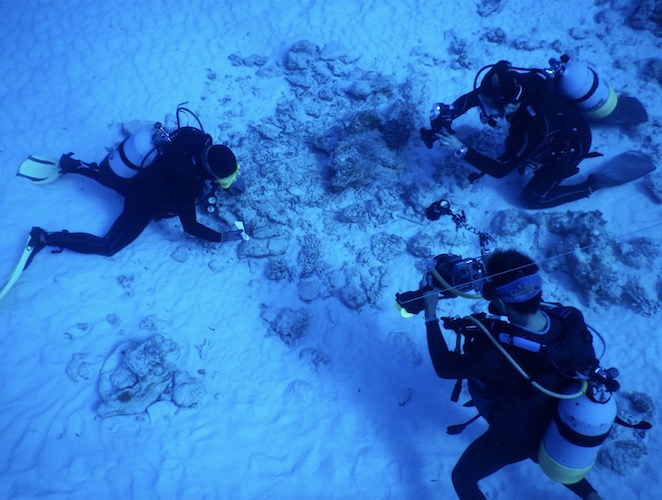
(160, 174)
(548, 134)
(518, 410)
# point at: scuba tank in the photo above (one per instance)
(580, 425)
(598, 101)
(581, 85)
(133, 154)
(139, 150)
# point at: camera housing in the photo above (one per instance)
(441, 117)
(458, 276)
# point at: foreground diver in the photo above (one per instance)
(172, 185)
(548, 136)
(517, 412)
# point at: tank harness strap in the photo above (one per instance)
(591, 91)
(519, 368)
(641, 425)
(456, 429)
(126, 161)
(455, 396)
(457, 388)
(575, 438)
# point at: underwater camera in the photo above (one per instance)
(441, 117)
(451, 276)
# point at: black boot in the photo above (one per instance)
(67, 164)
(37, 242)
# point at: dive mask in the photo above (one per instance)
(226, 182)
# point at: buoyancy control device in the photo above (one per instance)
(584, 414)
(586, 410)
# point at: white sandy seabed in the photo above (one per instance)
(304, 381)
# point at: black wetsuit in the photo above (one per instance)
(547, 134)
(517, 413)
(170, 187)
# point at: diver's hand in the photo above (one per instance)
(238, 187)
(448, 141)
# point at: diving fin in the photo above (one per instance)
(39, 170)
(36, 242)
(622, 169)
(20, 267)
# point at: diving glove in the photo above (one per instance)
(232, 236)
